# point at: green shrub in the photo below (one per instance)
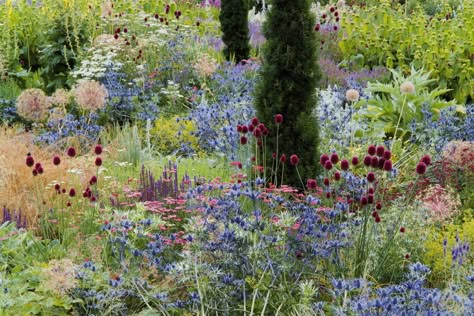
(234, 25)
(290, 74)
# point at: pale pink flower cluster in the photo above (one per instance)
(90, 95)
(460, 154)
(206, 65)
(32, 104)
(60, 98)
(441, 203)
(60, 276)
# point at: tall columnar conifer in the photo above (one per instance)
(235, 32)
(290, 74)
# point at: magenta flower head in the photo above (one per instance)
(57, 187)
(56, 160)
(337, 176)
(243, 140)
(372, 150)
(387, 155)
(345, 165)
(278, 119)
(381, 162)
(72, 192)
(93, 180)
(355, 161)
(239, 128)
(40, 170)
(380, 150)
(35, 173)
(29, 160)
(367, 160)
(334, 158)
(283, 159)
(71, 152)
(257, 133)
(387, 165)
(426, 160)
(364, 201)
(255, 121)
(328, 165)
(98, 149)
(326, 182)
(371, 177)
(311, 184)
(294, 160)
(37, 165)
(265, 131)
(251, 128)
(98, 161)
(370, 198)
(245, 129)
(421, 168)
(374, 162)
(323, 159)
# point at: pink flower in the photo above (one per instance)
(294, 160)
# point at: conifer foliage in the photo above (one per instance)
(290, 74)
(235, 32)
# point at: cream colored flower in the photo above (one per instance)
(60, 97)
(352, 95)
(206, 65)
(32, 104)
(60, 276)
(407, 88)
(90, 95)
(106, 9)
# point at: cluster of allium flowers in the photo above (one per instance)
(90, 95)
(33, 104)
(60, 98)
(441, 203)
(205, 65)
(407, 88)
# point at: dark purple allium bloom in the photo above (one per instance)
(370, 198)
(378, 219)
(35, 173)
(334, 158)
(378, 206)
(56, 160)
(328, 165)
(311, 184)
(387, 165)
(426, 159)
(239, 128)
(421, 168)
(381, 162)
(364, 201)
(337, 176)
(29, 160)
(402, 229)
(278, 118)
(243, 140)
(371, 177)
(98, 161)
(93, 180)
(257, 132)
(245, 129)
(326, 181)
(367, 160)
(355, 161)
(294, 159)
(323, 159)
(255, 121)
(283, 158)
(71, 152)
(72, 192)
(372, 150)
(57, 187)
(40, 170)
(380, 150)
(98, 149)
(374, 162)
(345, 165)
(387, 154)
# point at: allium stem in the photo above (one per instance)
(277, 157)
(398, 123)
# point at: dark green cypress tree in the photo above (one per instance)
(290, 75)
(235, 30)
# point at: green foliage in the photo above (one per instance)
(168, 135)
(441, 44)
(290, 74)
(391, 111)
(234, 25)
(440, 258)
